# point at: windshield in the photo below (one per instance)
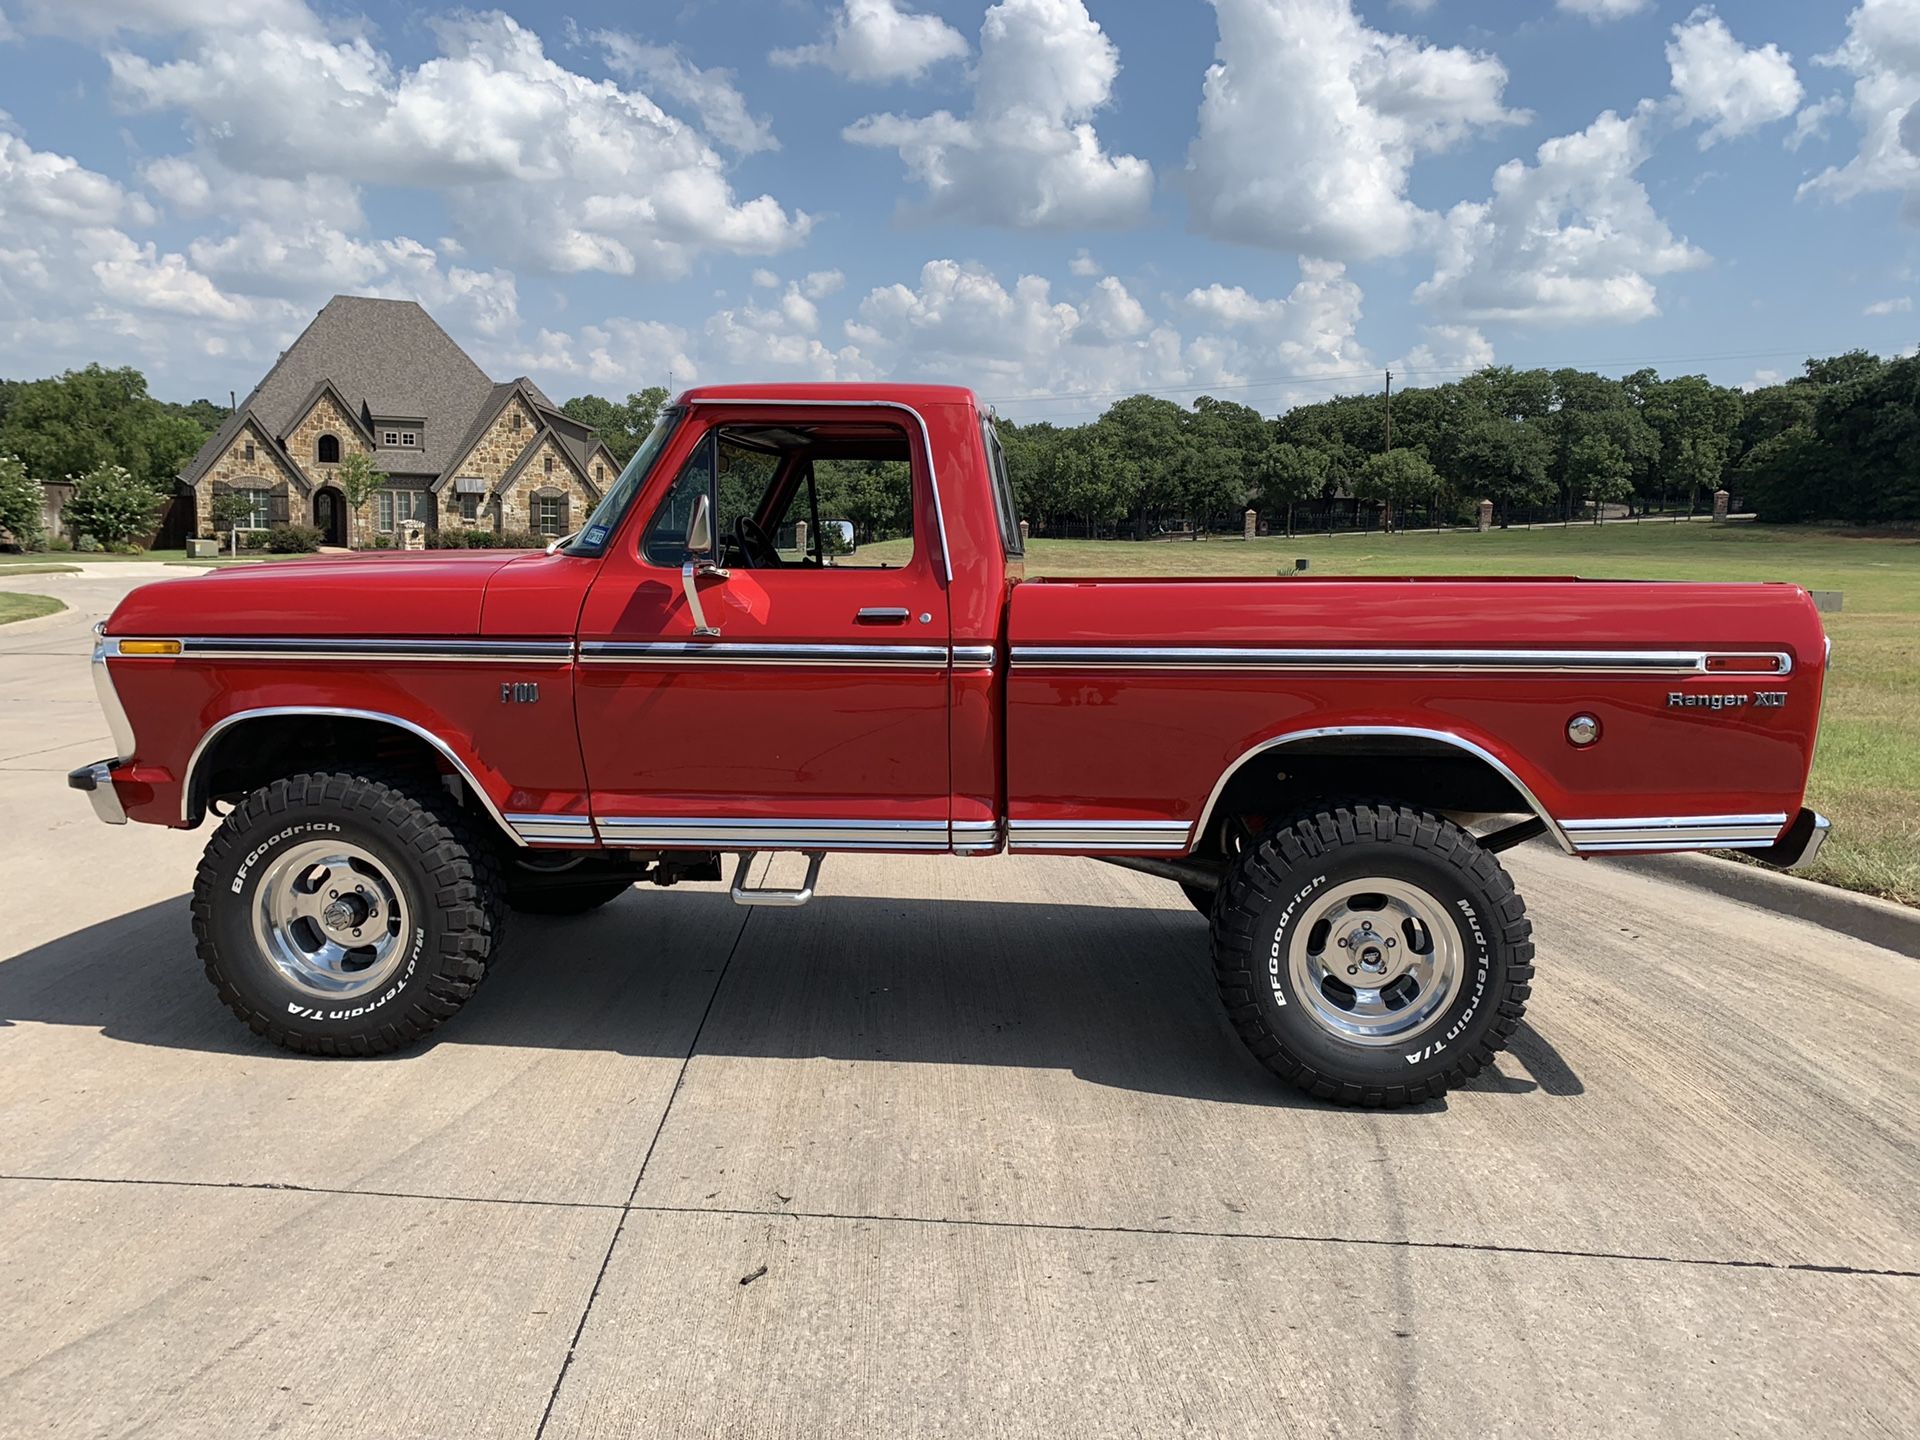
(600, 525)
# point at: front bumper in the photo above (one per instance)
(1798, 844)
(97, 780)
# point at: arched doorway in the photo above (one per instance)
(330, 516)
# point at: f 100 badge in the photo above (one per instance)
(1759, 700)
(519, 692)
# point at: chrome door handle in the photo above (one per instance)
(881, 615)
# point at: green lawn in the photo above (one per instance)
(78, 557)
(1866, 773)
(16, 606)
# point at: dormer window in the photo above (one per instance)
(392, 437)
(398, 439)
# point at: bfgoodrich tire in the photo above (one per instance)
(1372, 954)
(339, 914)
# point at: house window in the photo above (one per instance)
(470, 508)
(261, 515)
(391, 507)
(546, 514)
(326, 450)
(598, 474)
(391, 437)
(548, 465)
(247, 452)
(409, 437)
(517, 419)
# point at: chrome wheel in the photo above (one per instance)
(331, 919)
(1376, 961)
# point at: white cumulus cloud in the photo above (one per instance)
(554, 169)
(1571, 239)
(1722, 84)
(1027, 155)
(1600, 10)
(1310, 123)
(878, 40)
(711, 94)
(1882, 50)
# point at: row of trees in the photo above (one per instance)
(1841, 441)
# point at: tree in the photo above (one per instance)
(85, 419)
(1398, 477)
(620, 427)
(358, 477)
(230, 506)
(20, 505)
(114, 506)
(1288, 474)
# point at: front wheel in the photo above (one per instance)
(1372, 954)
(341, 915)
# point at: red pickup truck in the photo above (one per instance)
(403, 748)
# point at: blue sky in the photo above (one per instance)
(1057, 202)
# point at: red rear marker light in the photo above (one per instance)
(1746, 665)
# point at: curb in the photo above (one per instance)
(1878, 922)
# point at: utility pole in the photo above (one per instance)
(1389, 411)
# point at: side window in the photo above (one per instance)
(1004, 510)
(866, 510)
(666, 537)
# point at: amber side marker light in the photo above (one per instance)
(149, 647)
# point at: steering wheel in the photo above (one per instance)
(755, 544)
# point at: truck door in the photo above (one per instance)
(784, 684)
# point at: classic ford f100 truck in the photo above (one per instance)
(404, 748)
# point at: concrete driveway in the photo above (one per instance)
(964, 1148)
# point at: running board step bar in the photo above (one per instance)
(745, 895)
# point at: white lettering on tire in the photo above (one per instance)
(1273, 955)
(253, 855)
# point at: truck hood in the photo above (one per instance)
(414, 593)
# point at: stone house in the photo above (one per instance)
(379, 377)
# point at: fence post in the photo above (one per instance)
(1251, 522)
(1486, 516)
(1023, 534)
(1720, 498)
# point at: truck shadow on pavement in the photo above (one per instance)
(1120, 996)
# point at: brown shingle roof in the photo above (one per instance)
(387, 357)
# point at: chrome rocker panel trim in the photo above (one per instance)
(1389, 661)
(574, 830)
(1096, 836)
(1675, 832)
(227, 722)
(713, 833)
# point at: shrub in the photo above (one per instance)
(293, 539)
(86, 544)
(59, 542)
(113, 506)
(20, 504)
(520, 540)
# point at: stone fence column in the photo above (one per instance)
(1720, 498)
(1486, 515)
(800, 536)
(1023, 534)
(1251, 523)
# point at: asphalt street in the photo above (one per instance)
(963, 1148)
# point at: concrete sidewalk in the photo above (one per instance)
(964, 1148)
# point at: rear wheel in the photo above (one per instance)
(1372, 954)
(339, 914)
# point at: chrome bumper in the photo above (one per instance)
(1802, 840)
(97, 780)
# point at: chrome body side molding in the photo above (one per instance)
(746, 652)
(1093, 836)
(1347, 660)
(436, 651)
(926, 441)
(973, 657)
(226, 723)
(978, 837)
(1400, 732)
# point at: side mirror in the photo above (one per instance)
(700, 527)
